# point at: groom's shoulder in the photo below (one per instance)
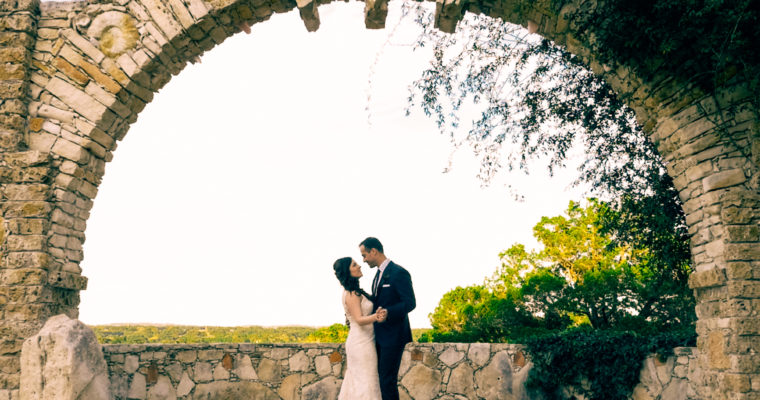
(398, 267)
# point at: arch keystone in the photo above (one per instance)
(307, 9)
(375, 13)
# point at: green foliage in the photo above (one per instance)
(138, 334)
(134, 334)
(700, 41)
(535, 101)
(598, 364)
(600, 295)
(335, 333)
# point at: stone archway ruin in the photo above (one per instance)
(74, 76)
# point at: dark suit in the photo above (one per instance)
(395, 294)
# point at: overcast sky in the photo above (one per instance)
(251, 172)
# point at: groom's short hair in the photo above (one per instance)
(372, 243)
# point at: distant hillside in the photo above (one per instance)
(155, 333)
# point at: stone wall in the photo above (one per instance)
(450, 371)
(74, 76)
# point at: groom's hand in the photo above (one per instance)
(382, 314)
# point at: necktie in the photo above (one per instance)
(374, 282)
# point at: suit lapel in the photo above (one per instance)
(385, 278)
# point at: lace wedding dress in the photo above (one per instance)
(360, 381)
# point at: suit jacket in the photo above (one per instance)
(395, 294)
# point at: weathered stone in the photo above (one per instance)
(187, 356)
(324, 389)
(716, 353)
(289, 387)
(675, 390)
(479, 353)
(494, 381)
(210, 354)
(723, 179)
(269, 371)
(278, 353)
(185, 386)
(233, 390)
(119, 386)
(461, 381)
(175, 370)
(451, 356)
(299, 362)
(708, 278)
(202, 372)
(63, 361)
(83, 103)
(131, 363)
(162, 390)
(422, 383)
(244, 369)
(322, 365)
(221, 373)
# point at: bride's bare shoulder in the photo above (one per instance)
(351, 296)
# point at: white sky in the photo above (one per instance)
(250, 173)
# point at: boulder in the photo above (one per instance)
(64, 361)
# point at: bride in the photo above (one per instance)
(361, 380)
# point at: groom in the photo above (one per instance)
(392, 290)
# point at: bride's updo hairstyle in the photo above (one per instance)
(342, 268)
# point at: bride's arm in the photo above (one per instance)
(354, 308)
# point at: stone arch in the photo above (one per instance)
(76, 75)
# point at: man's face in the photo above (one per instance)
(369, 257)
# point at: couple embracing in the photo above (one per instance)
(378, 324)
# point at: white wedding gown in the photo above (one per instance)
(360, 381)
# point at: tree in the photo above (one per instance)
(591, 271)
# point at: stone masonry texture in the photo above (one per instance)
(75, 75)
(461, 371)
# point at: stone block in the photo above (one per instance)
(451, 356)
(63, 361)
(242, 390)
(299, 362)
(10, 140)
(269, 371)
(461, 381)
(12, 122)
(185, 386)
(163, 17)
(746, 363)
(723, 179)
(742, 251)
(71, 71)
(743, 233)
(12, 89)
(202, 372)
(28, 192)
(77, 99)
(84, 45)
(708, 278)
(326, 388)
(71, 151)
(14, 55)
(746, 326)
(495, 378)
(138, 387)
(10, 71)
(187, 356)
(25, 243)
(33, 260)
(28, 226)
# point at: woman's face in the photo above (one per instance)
(356, 269)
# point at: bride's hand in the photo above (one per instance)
(381, 314)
